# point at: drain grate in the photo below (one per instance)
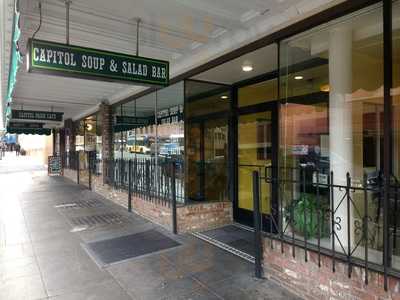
(96, 220)
(90, 203)
(121, 248)
(237, 240)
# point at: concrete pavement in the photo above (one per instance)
(43, 256)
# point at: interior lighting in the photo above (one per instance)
(247, 66)
(224, 97)
(298, 77)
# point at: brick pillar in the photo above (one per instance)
(70, 132)
(62, 146)
(106, 135)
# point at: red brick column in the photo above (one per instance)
(70, 132)
(106, 135)
(62, 146)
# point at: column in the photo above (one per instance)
(340, 123)
(107, 151)
(62, 146)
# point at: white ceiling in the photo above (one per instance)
(263, 60)
(187, 33)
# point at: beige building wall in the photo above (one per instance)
(39, 147)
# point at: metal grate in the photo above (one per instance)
(130, 246)
(232, 244)
(90, 203)
(96, 220)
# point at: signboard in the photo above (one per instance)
(54, 166)
(322, 178)
(73, 61)
(170, 115)
(25, 125)
(126, 123)
(37, 115)
(300, 149)
(128, 120)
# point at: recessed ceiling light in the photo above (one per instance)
(298, 77)
(224, 97)
(247, 66)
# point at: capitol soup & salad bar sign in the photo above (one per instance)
(73, 61)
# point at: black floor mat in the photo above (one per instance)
(129, 246)
(233, 236)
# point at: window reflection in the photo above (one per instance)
(332, 122)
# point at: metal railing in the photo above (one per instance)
(339, 217)
(155, 180)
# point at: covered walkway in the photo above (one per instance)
(60, 241)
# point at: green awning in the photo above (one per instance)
(38, 131)
(15, 61)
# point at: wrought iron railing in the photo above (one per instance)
(152, 179)
(339, 217)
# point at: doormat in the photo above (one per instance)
(117, 249)
(232, 238)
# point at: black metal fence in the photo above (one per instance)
(340, 217)
(157, 180)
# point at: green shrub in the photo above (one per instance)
(305, 216)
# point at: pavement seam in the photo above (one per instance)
(203, 285)
(34, 251)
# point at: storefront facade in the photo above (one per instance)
(314, 109)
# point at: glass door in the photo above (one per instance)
(255, 153)
(207, 159)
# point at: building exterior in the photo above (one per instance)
(312, 109)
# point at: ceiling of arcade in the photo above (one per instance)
(184, 32)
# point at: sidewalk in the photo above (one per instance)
(49, 227)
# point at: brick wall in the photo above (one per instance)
(312, 282)
(119, 197)
(204, 216)
(189, 218)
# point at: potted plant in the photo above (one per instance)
(305, 212)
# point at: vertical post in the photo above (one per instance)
(348, 198)
(333, 223)
(89, 170)
(77, 167)
(53, 131)
(130, 185)
(304, 199)
(387, 124)
(67, 5)
(173, 192)
(147, 172)
(257, 224)
(365, 228)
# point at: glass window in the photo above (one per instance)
(206, 138)
(258, 93)
(80, 135)
(394, 218)
(331, 121)
(202, 98)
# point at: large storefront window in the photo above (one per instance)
(206, 139)
(151, 134)
(395, 217)
(332, 121)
